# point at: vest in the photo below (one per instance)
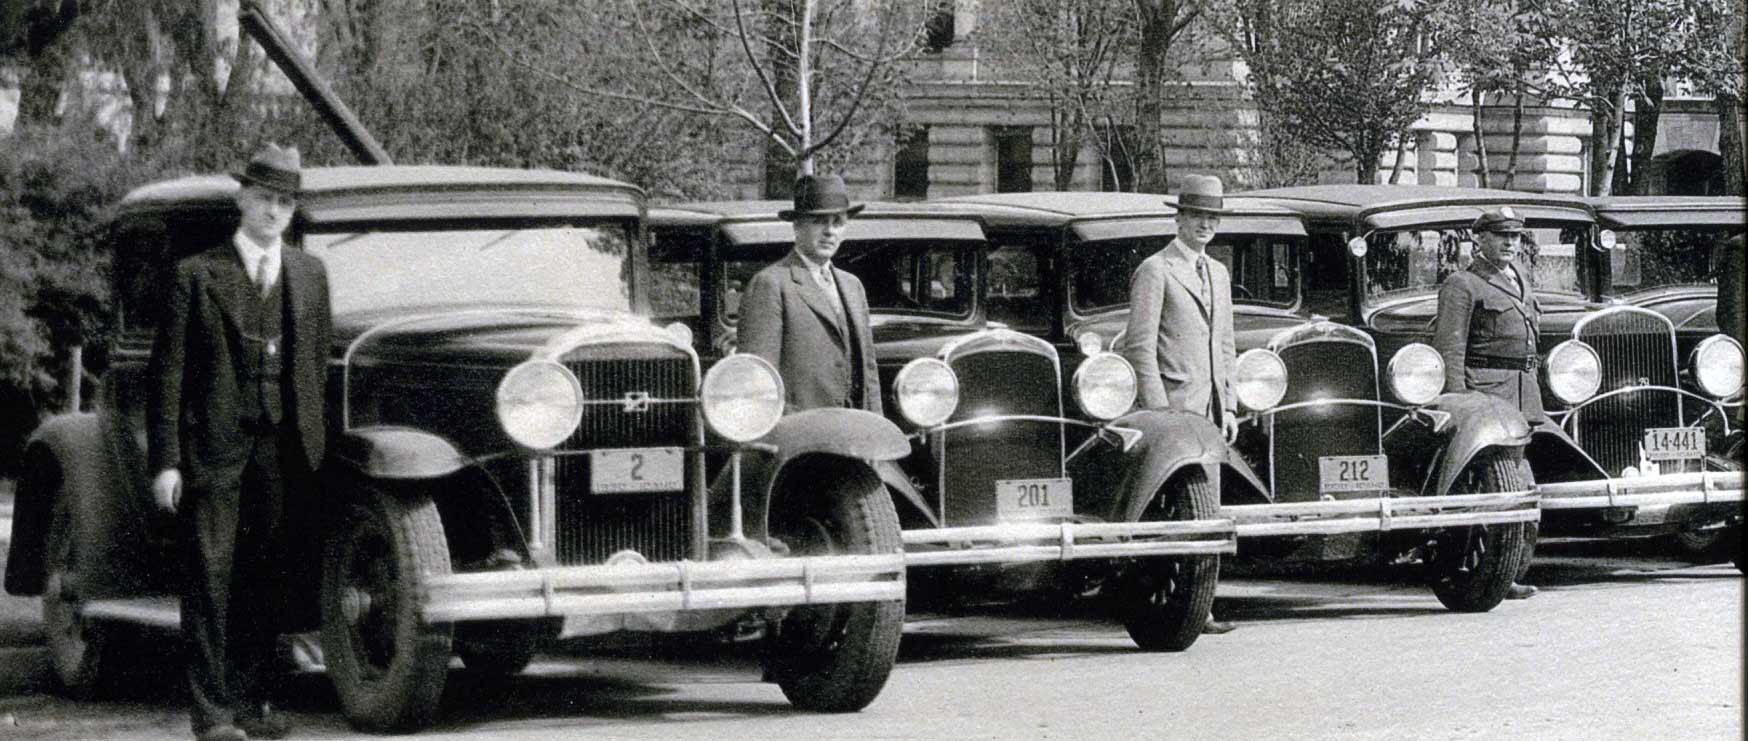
(263, 356)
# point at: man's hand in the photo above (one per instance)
(1229, 425)
(167, 489)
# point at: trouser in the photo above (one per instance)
(234, 567)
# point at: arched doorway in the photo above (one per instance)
(1688, 172)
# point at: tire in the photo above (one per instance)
(1702, 546)
(836, 658)
(388, 666)
(1165, 601)
(76, 646)
(1472, 568)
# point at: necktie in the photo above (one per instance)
(1207, 288)
(263, 281)
(823, 274)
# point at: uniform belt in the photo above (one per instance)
(1503, 362)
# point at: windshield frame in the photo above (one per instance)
(1584, 256)
(1296, 248)
(1722, 235)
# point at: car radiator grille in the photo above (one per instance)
(991, 383)
(592, 527)
(1636, 350)
(1323, 370)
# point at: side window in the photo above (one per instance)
(142, 273)
(674, 259)
(1262, 269)
(935, 279)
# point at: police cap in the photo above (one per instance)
(1500, 220)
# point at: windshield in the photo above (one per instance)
(1659, 258)
(1263, 269)
(908, 276)
(1418, 260)
(550, 266)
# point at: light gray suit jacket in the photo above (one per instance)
(787, 319)
(1182, 360)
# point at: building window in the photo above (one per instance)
(910, 168)
(1013, 159)
(938, 29)
(1116, 163)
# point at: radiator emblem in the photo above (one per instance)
(634, 402)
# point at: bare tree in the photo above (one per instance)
(1161, 22)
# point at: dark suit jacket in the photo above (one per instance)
(1182, 360)
(194, 404)
(1482, 311)
(786, 319)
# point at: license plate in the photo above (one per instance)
(635, 470)
(1675, 443)
(1353, 473)
(1032, 499)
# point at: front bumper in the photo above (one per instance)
(1383, 514)
(626, 589)
(1663, 490)
(1066, 541)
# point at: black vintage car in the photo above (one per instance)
(1348, 451)
(494, 381)
(1636, 402)
(994, 493)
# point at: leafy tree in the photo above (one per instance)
(1499, 47)
(1349, 75)
(1068, 52)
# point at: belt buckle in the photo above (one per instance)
(1531, 363)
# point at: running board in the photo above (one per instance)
(155, 612)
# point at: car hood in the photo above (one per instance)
(1560, 313)
(901, 339)
(482, 334)
(1252, 326)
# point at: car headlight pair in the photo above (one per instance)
(540, 402)
(927, 389)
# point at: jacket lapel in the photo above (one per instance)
(231, 284)
(1185, 274)
(814, 296)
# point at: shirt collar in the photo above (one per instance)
(251, 252)
(1177, 250)
(811, 265)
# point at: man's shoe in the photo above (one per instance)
(264, 723)
(1521, 591)
(1218, 627)
(222, 732)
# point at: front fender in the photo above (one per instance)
(1555, 457)
(1475, 422)
(1171, 441)
(66, 456)
(859, 441)
(397, 453)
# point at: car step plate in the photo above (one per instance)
(1033, 499)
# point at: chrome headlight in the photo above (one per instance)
(539, 404)
(1717, 366)
(742, 397)
(1417, 374)
(1104, 386)
(927, 391)
(1574, 372)
(1260, 380)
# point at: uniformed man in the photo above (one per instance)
(1486, 328)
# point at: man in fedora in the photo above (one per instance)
(235, 429)
(807, 317)
(1180, 321)
(1486, 331)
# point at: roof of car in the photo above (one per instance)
(756, 222)
(1665, 211)
(1434, 203)
(703, 213)
(373, 192)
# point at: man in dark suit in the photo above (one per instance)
(235, 427)
(1180, 322)
(808, 318)
(1486, 329)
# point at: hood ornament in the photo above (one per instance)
(634, 402)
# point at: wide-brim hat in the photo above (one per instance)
(820, 195)
(1500, 220)
(275, 168)
(1203, 193)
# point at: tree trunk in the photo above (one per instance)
(1401, 156)
(1150, 174)
(1645, 119)
(1516, 139)
(780, 166)
(1730, 144)
(1616, 123)
(1483, 174)
(1066, 147)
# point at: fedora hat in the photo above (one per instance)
(1202, 193)
(820, 195)
(275, 168)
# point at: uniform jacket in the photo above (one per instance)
(1183, 360)
(194, 404)
(1483, 311)
(786, 318)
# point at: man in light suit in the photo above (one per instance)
(235, 430)
(1180, 321)
(808, 318)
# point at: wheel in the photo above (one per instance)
(1702, 546)
(388, 666)
(75, 644)
(1472, 568)
(835, 658)
(1165, 601)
